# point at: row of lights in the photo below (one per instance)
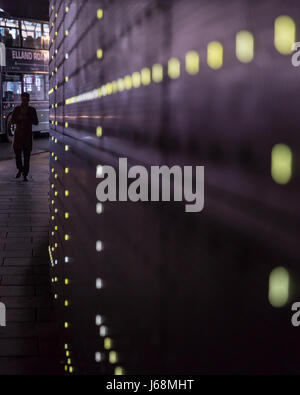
(282, 157)
(284, 39)
(108, 342)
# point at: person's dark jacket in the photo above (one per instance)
(23, 132)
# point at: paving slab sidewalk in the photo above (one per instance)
(29, 341)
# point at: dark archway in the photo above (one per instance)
(33, 9)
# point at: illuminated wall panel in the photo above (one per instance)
(172, 292)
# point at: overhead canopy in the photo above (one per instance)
(32, 9)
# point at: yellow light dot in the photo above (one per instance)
(56, 228)
(66, 346)
(174, 68)
(279, 282)
(67, 9)
(244, 46)
(55, 296)
(71, 369)
(192, 62)
(121, 86)
(66, 78)
(67, 148)
(281, 164)
(56, 176)
(146, 76)
(67, 215)
(66, 324)
(284, 34)
(56, 15)
(128, 82)
(109, 88)
(99, 53)
(113, 357)
(67, 32)
(69, 361)
(66, 368)
(67, 193)
(114, 86)
(99, 131)
(67, 353)
(66, 281)
(99, 13)
(56, 33)
(136, 80)
(67, 170)
(66, 303)
(157, 73)
(67, 237)
(215, 55)
(108, 343)
(55, 193)
(119, 371)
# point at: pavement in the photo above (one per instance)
(29, 341)
(40, 144)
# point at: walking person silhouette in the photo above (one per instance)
(24, 116)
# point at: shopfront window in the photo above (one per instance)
(34, 85)
(12, 87)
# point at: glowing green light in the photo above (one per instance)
(279, 282)
(281, 166)
(215, 55)
(157, 73)
(146, 76)
(174, 68)
(244, 46)
(284, 34)
(192, 62)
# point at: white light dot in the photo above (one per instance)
(103, 331)
(98, 320)
(99, 171)
(98, 356)
(99, 246)
(67, 56)
(99, 283)
(99, 208)
(56, 262)
(67, 259)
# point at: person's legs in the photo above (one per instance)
(26, 162)
(19, 164)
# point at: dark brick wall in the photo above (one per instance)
(182, 293)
